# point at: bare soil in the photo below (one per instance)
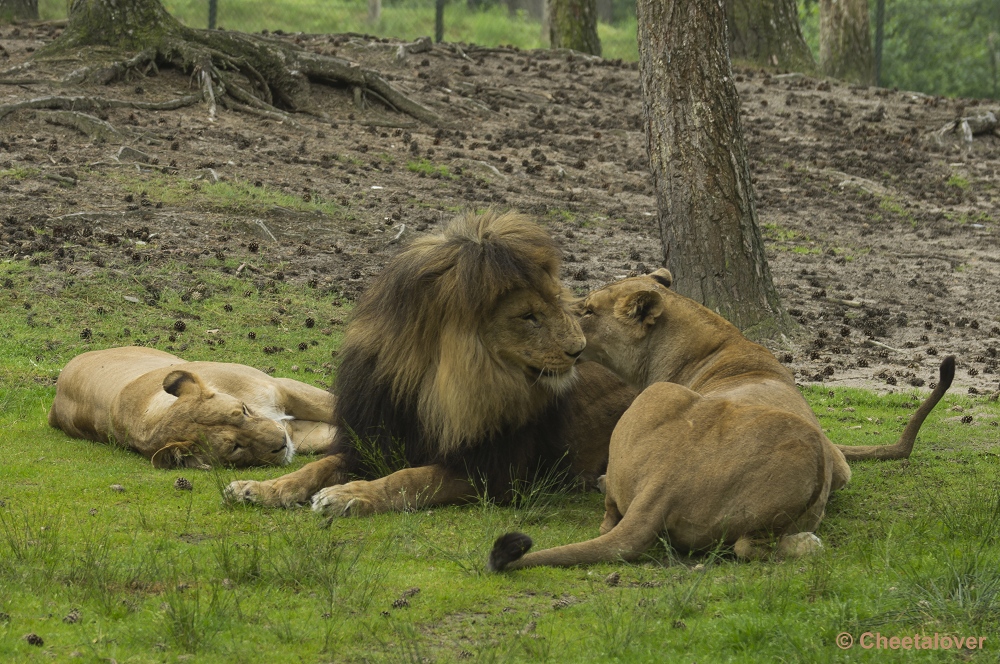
(881, 231)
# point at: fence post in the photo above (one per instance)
(438, 21)
(213, 11)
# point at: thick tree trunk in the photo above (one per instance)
(573, 24)
(129, 25)
(767, 32)
(708, 223)
(18, 10)
(845, 42)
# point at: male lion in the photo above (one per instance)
(725, 449)
(459, 373)
(189, 414)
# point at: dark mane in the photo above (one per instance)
(429, 303)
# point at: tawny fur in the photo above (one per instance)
(719, 447)
(462, 358)
(179, 413)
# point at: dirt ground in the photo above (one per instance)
(881, 230)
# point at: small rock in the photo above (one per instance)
(125, 153)
(613, 579)
(117, 488)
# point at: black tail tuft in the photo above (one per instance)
(947, 372)
(507, 549)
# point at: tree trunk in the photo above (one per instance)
(573, 24)
(128, 25)
(18, 10)
(767, 32)
(845, 42)
(708, 223)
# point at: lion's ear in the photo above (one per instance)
(643, 307)
(177, 455)
(182, 383)
(663, 277)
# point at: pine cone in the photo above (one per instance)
(182, 484)
(34, 639)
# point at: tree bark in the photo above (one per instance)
(573, 24)
(845, 42)
(698, 156)
(767, 32)
(18, 10)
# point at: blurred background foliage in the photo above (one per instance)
(938, 47)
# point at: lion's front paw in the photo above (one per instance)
(351, 499)
(263, 493)
(244, 491)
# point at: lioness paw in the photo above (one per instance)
(349, 499)
(799, 544)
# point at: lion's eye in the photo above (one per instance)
(589, 311)
(246, 411)
(530, 317)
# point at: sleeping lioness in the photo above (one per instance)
(190, 414)
(720, 447)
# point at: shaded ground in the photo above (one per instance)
(879, 229)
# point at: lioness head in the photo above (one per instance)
(203, 427)
(617, 318)
(470, 327)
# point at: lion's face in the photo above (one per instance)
(616, 319)
(204, 426)
(532, 333)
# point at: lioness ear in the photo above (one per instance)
(663, 277)
(641, 307)
(182, 383)
(177, 455)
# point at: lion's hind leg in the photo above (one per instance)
(787, 546)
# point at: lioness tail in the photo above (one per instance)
(507, 549)
(903, 447)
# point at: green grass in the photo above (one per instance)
(425, 168)
(958, 181)
(406, 20)
(157, 574)
(235, 196)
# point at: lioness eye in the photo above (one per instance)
(246, 411)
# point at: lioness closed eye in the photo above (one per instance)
(720, 446)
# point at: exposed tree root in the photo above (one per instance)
(95, 128)
(88, 103)
(250, 73)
